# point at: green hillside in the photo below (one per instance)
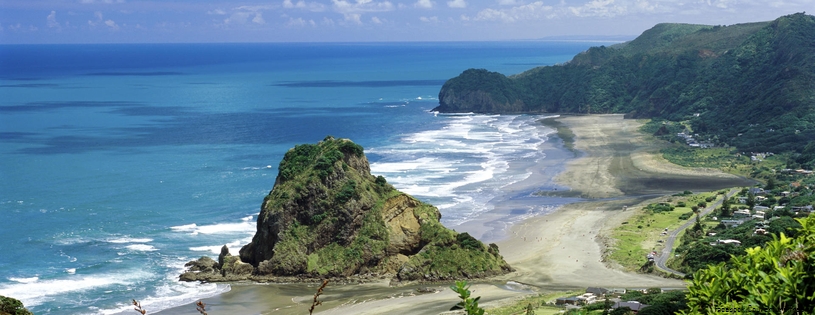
(747, 85)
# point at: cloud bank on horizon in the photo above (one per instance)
(134, 21)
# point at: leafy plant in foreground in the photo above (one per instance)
(468, 304)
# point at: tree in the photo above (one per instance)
(776, 279)
(771, 183)
(751, 200)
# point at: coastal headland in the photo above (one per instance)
(615, 168)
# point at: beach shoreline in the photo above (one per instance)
(560, 248)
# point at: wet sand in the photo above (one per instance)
(561, 249)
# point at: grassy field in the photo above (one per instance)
(642, 233)
(724, 159)
(539, 303)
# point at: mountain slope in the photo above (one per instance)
(747, 85)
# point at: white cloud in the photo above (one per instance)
(310, 6)
(601, 8)
(258, 19)
(328, 22)
(52, 20)
(216, 12)
(112, 24)
(296, 22)
(99, 18)
(509, 2)
(362, 6)
(457, 4)
(376, 20)
(238, 18)
(425, 4)
(464, 17)
(32, 28)
(255, 8)
(432, 19)
(353, 11)
(354, 18)
(1, 27)
(532, 11)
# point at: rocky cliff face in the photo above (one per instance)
(480, 91)
(327, 216)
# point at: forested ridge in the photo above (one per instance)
(749, 86)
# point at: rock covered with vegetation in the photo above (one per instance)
(744, 85)
(327, 216)
(12, 306)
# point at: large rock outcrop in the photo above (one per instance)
(327, 216)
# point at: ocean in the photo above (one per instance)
(120, 163)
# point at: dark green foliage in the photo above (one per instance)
(685, 216)
(296, 160)
(12, 306)
(659, 207)
(777, 278)
(468, 242)
(748, 86)
(349, 147)
(786, 225)
(380, 180)
(621, 311)
(348, 191)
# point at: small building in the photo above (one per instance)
(633, 305)
(741, 214)
(807, 208)
(586, 298)
(732, 222)
(572, 300)
(757, 191)
(597, 291)
(732, 242)
(761, 208)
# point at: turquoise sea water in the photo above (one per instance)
(119, 163)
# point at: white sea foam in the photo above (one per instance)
(245, 226)
(125, 240)
(24, 280)
(40, 291)
(216, 249)
(464, 163)
(141, 248)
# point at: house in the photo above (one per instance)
(733, 242)
(757, 191)
(572, 300)
(597, 291)
(742, 199)
(807, 208)
(733, 222)
(761, 208)
(741, 214)
(633, 305)
(586, 298)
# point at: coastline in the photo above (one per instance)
(560, 248)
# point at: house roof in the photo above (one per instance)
(596, 291)
(633, 305)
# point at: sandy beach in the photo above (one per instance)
(618, 168)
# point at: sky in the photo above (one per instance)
(182, 21)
